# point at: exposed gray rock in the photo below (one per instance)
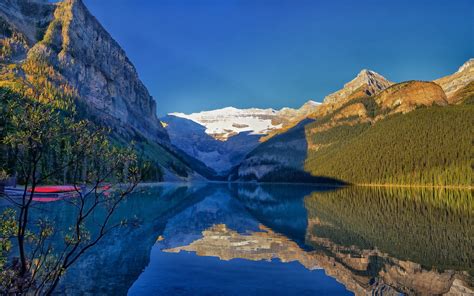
(192, 138)
(85, 62)
(457, 80)
(77, 45)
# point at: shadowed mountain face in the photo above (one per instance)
(192, 138)
(280, 158)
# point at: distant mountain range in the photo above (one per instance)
(224, 123)
(222, 138)
(370, 131)
(300, 144)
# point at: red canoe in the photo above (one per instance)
(54, 189)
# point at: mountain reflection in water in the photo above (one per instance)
(212, 239)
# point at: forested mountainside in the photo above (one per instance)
(59, 51)
(429, 146)
(404, 133)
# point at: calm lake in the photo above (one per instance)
(236, 239)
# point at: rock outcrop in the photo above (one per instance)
(355, 110)
(464, 95)
(407, 96)
(454, 82)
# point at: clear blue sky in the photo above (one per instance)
(199, 55)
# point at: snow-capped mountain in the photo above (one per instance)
(227, 122)
(224, 123)
(221, 156)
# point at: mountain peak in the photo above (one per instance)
(369, 76)
(456, 81)
(469, 64)
(364, 72)
(311, 103)
(368, 81)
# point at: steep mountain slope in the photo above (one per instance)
(280, 154)
(426, 146)
(21, 25)
(81, 50)
(454, 82)
(50, 51)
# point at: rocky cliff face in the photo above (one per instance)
(79, 48)
(21, 25)
(454, 82)
(56, 51)
(66, 37)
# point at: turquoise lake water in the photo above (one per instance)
(248, 239)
